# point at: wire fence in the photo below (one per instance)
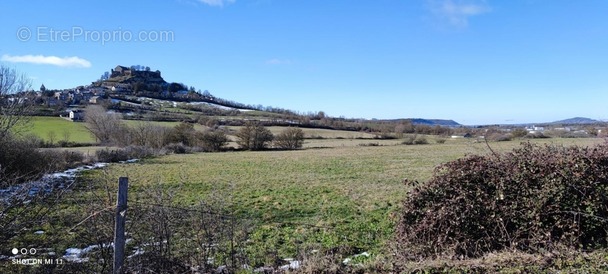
(229, 216)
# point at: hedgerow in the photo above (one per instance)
(533, 199)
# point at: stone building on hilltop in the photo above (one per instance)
(148, 76)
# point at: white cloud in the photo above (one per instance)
(217, 3)
(74, 61)
(276, 61)
(458, 12)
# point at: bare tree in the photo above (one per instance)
(66, 135)
(51, 135)
(213, 140)
(183, 133)
(101, 124)
(13, 109)
(254, 136)
(147, 134)
(290, 138)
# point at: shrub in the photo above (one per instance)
(63, 143)
(533, 198)
(64, 159)
(177, 148)
(576, 134)
(519, 132)
(369, 144)
(537, 135)
(140, 152)
(21, 160)
(567, 134)
(409, 140)
(111, 155)
(149, 135)
(420, 141)
(414, 140)
(254, 136)
(213, 140)
(72, 157)
(124, 154)
(182, 133)
(290, 138)
(499, 137)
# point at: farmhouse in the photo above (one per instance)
(76, 115)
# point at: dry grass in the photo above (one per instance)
(565, 261)
(319, 133)
(163, 124)
(341, 200)
(351, 192)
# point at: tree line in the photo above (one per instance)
(110, 129)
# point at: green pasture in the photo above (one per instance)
(339, 191)
(58, 129)
(331, 197)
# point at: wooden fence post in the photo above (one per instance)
(119, 228)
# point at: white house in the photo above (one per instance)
(535, 129)
(76, 115)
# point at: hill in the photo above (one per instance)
(130, 75)
(141, 81)
(434, 122)
(576, 121)
(426, 122)
(140, 93)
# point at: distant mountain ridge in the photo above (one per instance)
(434, 122)
(428, 122)
(577, 120)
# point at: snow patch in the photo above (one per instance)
(47, 184)
(293, 264)
(348, 260)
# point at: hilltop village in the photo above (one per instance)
(119, 82)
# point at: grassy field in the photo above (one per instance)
(58, 128)
(163, 124)
(318, 133)
(332, 197)
(61, 129)
(339, 191)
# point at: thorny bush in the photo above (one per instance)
(533, 199)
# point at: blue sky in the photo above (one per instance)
(474, 61)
